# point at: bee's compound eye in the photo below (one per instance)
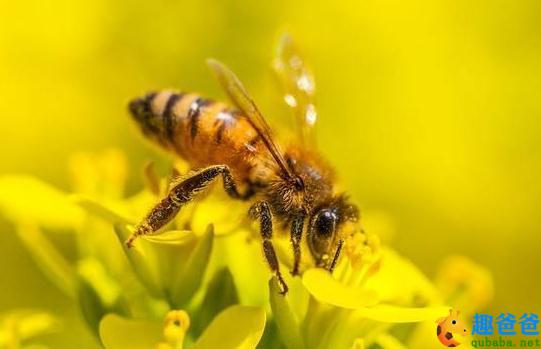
(321, 234)
(325, 223)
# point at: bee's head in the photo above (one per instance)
(324, 227)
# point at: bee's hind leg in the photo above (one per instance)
(262, 211)
(182, 193)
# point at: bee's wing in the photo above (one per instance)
(299, 87)
(242, 100)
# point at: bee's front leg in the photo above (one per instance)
(262, 211)
(180, 194)
(336, 255)
(296, 237)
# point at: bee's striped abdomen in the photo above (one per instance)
(168, 117)
(202, 131)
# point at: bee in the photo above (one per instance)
(294, 188)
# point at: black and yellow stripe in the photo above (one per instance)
(200, 130)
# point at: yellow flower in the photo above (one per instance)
(18, 327)
(208, 262)
(356, 306)
(235, 327)
(464, 283)
(171, 265)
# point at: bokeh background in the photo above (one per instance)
(430, 111)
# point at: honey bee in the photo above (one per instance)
(294, 188)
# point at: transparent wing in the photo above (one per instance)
(242, 100)
(299, 87)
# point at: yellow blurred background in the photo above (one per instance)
(430, 111)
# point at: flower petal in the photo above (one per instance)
(358, 344)
(237, 327)
(225, 218)
(410, 286)
(48, 259)
(220, 294)
(285, 318)
(387, 341)
(120, 333)
(393, 314)
(371, 323)
(324, 288)
(26, 324)
(48, 207)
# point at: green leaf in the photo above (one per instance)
(221, 293)
(120, 333)
(27, 199)
(171, 264)
(185, 286)
(48, 259)
(237, 327)
(99, 210)
(324, 288)
(141, 264)
(287, 322)
(98, 293)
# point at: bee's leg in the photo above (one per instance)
(336, 255)
(295, 237)
(262, 211)
(180, 194)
